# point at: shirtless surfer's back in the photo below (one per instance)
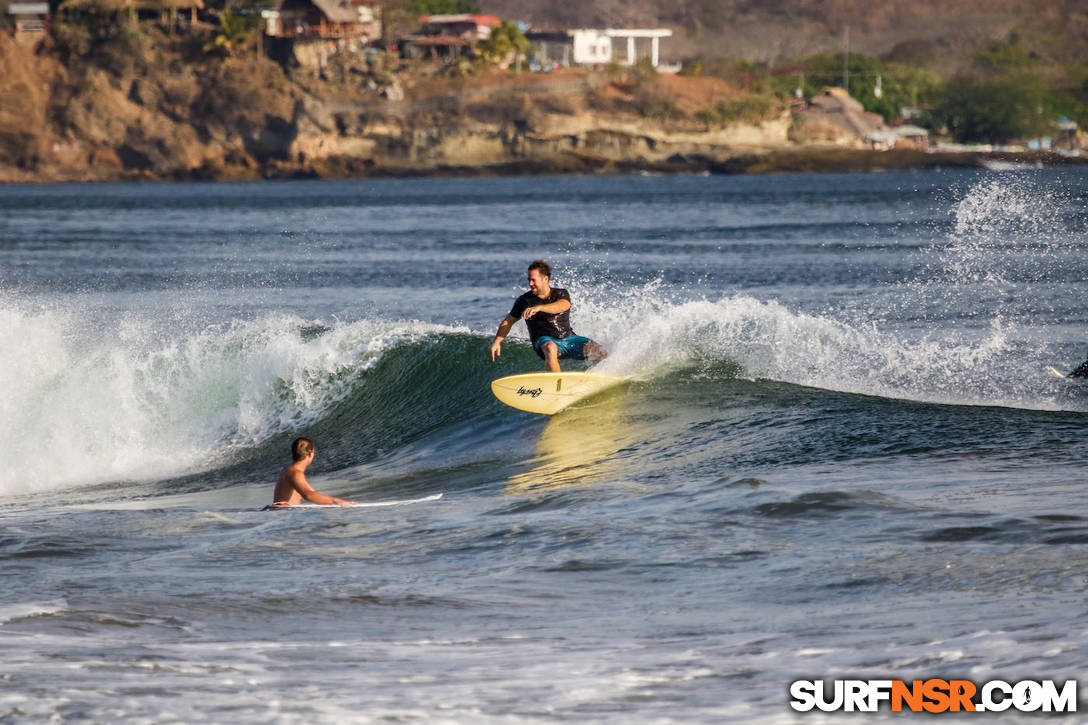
(292, 486)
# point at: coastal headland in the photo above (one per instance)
(144, 104)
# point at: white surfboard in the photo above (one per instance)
(364, 504)
(1054, 371)
(549, 393)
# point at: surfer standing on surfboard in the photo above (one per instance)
(292, 486)
(546, 311)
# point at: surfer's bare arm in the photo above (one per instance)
(552, 308)
(503, 331)
(307, 492)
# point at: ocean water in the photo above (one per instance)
(839, 454)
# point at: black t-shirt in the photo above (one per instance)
(541, 324)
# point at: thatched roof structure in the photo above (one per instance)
(113, 6)
(338, 11)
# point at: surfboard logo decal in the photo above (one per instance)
(548, 393)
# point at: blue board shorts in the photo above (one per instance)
(570, 347)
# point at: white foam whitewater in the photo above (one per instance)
(966, 332)
(87, 400)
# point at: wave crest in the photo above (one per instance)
(86, 402)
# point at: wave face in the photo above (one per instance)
(126, 385)
(144, 404)
(132, 399)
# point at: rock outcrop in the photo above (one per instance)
(138, 103)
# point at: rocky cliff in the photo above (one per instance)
(142, 104)
(137, 103)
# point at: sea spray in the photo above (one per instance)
(1009, 243)
(959, 333)
(767, 340)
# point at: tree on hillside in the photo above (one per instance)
(442, 7)
(1069, 94)
(854, 72)
(905, 85)
(995, 110)
(505, 45)
(1005, 55)
(234, 32)
(882, 88)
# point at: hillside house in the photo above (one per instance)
(469, 26)
(309, 32)
(448, 36)
(31, 21)
(911, 136)
(169, 12)
(834, 117)
(331, 19)
(638, 44)
(591, 47)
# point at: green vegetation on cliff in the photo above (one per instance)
(1004, 91)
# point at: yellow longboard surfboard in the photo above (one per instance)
(549, 393)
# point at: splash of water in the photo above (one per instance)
(83, 401)
(957, 334)
(1009, 244)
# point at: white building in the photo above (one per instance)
(588, 46)
(31, 21)
(631, 50)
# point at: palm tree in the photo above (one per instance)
(232, 35)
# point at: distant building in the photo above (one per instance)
(448, 36)
(1067, 135)
(309, 32)
(551, 48)
(912, 113)
(355, 19)
(631, 49)
(836, 100)
(468, 26)
(590, 47)
(834, 117)
(909, 136)
(31, 21)
(169, 11)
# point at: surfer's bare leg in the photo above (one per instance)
(594, 352)
(551, 357)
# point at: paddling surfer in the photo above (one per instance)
(292, 486)
(546, 311)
